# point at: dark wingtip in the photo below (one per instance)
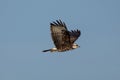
(58, 22)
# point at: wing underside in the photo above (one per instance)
(60, 35)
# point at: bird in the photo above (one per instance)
(63, 39)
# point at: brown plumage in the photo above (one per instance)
(62, 38)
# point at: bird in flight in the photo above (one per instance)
(62, 38)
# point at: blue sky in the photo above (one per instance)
(24, 33)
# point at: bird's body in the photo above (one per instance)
(62, 38)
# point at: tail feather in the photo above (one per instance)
(46, 50)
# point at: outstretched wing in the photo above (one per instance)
(74, 34)
(60, 35)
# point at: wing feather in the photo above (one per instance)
(74, 34)
(60, 35)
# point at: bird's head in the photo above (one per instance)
(74, 46)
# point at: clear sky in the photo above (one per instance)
(24, 33)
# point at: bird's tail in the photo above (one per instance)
(46, 50)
